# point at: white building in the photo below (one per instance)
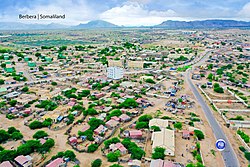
(114, 72)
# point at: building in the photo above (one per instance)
(135, 134)
(23, 161)
(111, 124)
(3, 91)
(162, 163)
(135, 64)
(165, 139)
(101, 129)
(158, 122)
(118, 146)
(56, 163)
(73, 140)
(6, 164)
(116, 63)
(115, 72)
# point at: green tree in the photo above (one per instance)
(12, 130)
(35, 125)
(199, 134)
(53, 83)
(1, 81)
(13, 103)
(40, 134)
(70, 154)
(159, 153)
(7, 155)
(16, 136)
(178, 125)
(129, 103)
(96, 163)
(149, 80)
(113, 156)
(25, 89)
(4, 136)
(92, 148)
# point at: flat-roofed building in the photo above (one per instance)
(164, 139)
(114, 72)
(135, 64)
(158, 122)
(117, 63)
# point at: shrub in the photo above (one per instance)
(96, 163)
(199, 134)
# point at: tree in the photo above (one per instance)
(89, 133)
(40, 68)
(145, 118)
(199, 134)
(16, 136)
(96, 163)
(12, 130)
(111, 141)
(129, 103)
(53, 83)
(25, 89)
(137, 153)
(116, 165)
(113, 156)
(40, 134)
(155, 128)
(70, 154)
(141, 125)
(7, 155)
(94, 123)
(4, 136)
(210, 76)
(1, 81)
(35, 125)
(13, 103)
(149, 80)
(178, 125)
(92, 148)
(247, 155)
(46, 146)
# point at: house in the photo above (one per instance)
(134, 163)
(99, 95)
(135, 134)
(85, 127)
(56, 163)
(23, 161)
(72, 140)
(158, 122)
(124, 118)
(165, 139)
(100, 129)
(118, 146)
(115, 118)
(6, 164)
(107, 109)
(111, 124)
(162, 163)
(3, 91)
(185, 134)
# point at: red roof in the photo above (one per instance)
(55, 163)
(120, 147)
(134, 133)
(21, 159)
(6, 164)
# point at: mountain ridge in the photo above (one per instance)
(169, 24)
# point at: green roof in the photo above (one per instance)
(3, 90)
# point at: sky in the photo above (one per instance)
(125, 12)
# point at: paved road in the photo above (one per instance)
(229, 156)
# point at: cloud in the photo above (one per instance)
(244, 13)
(134, 13)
